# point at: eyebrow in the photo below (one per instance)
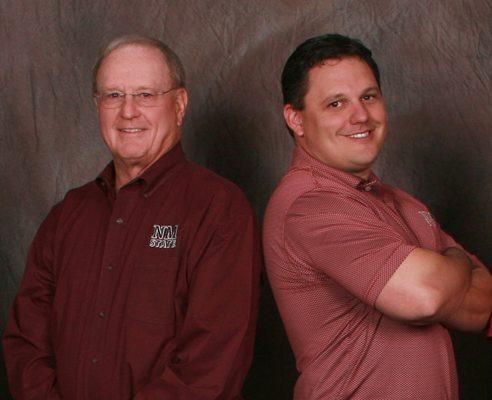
(337, 96)
(372, 88)
(119, 89)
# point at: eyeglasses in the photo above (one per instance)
(147, 98)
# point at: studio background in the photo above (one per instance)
(435, 59)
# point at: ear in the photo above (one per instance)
(181, 103)
(293, 119)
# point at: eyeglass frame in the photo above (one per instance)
(122, 95)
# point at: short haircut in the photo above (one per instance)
(314, 52)
(176, 68)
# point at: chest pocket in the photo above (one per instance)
(153, 287)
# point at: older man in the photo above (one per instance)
(365, 279)
(143, 283)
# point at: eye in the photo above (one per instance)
(335, 104)
(145, 95)
(369, 97)
(112, 95)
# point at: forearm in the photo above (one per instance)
(453, 281)
(427, 286)
(474, 311)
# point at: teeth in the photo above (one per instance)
(360, 135)
(131, 130)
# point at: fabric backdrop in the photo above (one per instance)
(436, 63)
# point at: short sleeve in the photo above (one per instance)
(345, 239)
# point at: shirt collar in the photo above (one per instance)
(302, 159)
(152, 177)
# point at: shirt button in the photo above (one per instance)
(102, 314)
(146, 195)
(94, 361)
(119, 220)
(109, 267)
(176, 360)
(367, 188)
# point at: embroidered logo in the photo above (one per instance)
(164, 236)
(428, 218)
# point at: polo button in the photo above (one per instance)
(94, 361)
(102, 314)
(119, 220)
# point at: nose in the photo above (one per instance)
(129, 108)
(359, 113)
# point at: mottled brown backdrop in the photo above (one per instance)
(435, 58)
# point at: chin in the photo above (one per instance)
(129, 157)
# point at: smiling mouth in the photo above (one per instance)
(131, 130)
(360, 135)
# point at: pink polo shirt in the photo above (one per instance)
(332, 241)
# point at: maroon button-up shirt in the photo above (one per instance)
(148, 293)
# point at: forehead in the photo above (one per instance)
(341, 75)
(133, 66)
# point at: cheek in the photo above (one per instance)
(106, 118)
(331, 124)
(163, 119)
(379, 114)
(106, 123)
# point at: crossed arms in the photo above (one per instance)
(377, 263)
(447, 288)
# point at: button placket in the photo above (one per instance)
(112, 250)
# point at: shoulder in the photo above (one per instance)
(294, 184)
(331, 200)
(217, 195)
(301, 192)
(209, 184)
(81, 192)
(64, 209)
(79, 196)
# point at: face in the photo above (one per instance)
(343, 123)
(137, 136)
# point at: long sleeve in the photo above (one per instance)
(212, 351)
(27, 346)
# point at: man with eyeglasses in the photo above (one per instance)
(142, 284)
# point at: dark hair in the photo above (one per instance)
(314, 52)
(176, 68)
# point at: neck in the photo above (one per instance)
(362, 174)
(125, 173)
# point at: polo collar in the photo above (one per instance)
(152, 177)
(302, 159)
